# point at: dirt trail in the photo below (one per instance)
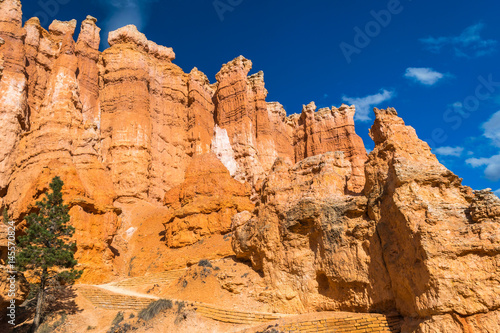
(123, 291)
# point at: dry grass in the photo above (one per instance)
(154, 308)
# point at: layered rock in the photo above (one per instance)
(160, 165)
(59, 142)
(13, 84)
(87, 52)
(143, 120)
(417, 242)
(260, 132)
(242, 111)
(200, 118)
(441, 240)
(331, 130)
(315, 246)
(204, 203)
(282, 130)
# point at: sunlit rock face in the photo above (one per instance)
(156, 161)
(415, 242)
(204, 203)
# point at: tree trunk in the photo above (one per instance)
(39, 302)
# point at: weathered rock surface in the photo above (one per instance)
(441, 240)
(13, 84)
(13, 285)
(260, 132)
(331, 130)
(160, 165)
(416, 242)
(144, 116)
(241, 110)
(204, 203)
(19, 289)
(316, 246)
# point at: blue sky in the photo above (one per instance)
(436, 62)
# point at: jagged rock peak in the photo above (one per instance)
(130, 34)
(91, 18)
(389, 126)
(312, 109)
(238, 64)
(89, 33)
(259, 76)
(61, 28)
(10, 11)
(309, 108)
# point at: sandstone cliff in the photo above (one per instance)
(205, 203)
(161, 167)
(122, 126)
(416, 242)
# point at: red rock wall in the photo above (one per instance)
(128, 128)
(121, 126)
(416, 242)
(331, 130)
(13, 85)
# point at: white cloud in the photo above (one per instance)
(468, 44)
(492, 171)
(492, 129)
(364, 104)
(124, 12)
(497, 192)
(426, 76)
(449, 151)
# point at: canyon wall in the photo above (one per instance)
(157, 161)
(122, 125)
(415, 242)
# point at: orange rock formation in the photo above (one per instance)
(205, 203)
(156, 162)
(415, 242)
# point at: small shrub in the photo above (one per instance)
(205, 272)
(47, 328)
(44, 328)
(90, 328)
(180, 306)
(117, 326)
(118, 319)
(131, 316)
(131, 265)
(154, 308)
(270, 329)
(181, 315)
(204, 263)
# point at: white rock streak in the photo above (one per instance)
(221, 146)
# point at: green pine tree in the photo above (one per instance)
(5, 216)
(46, 250)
